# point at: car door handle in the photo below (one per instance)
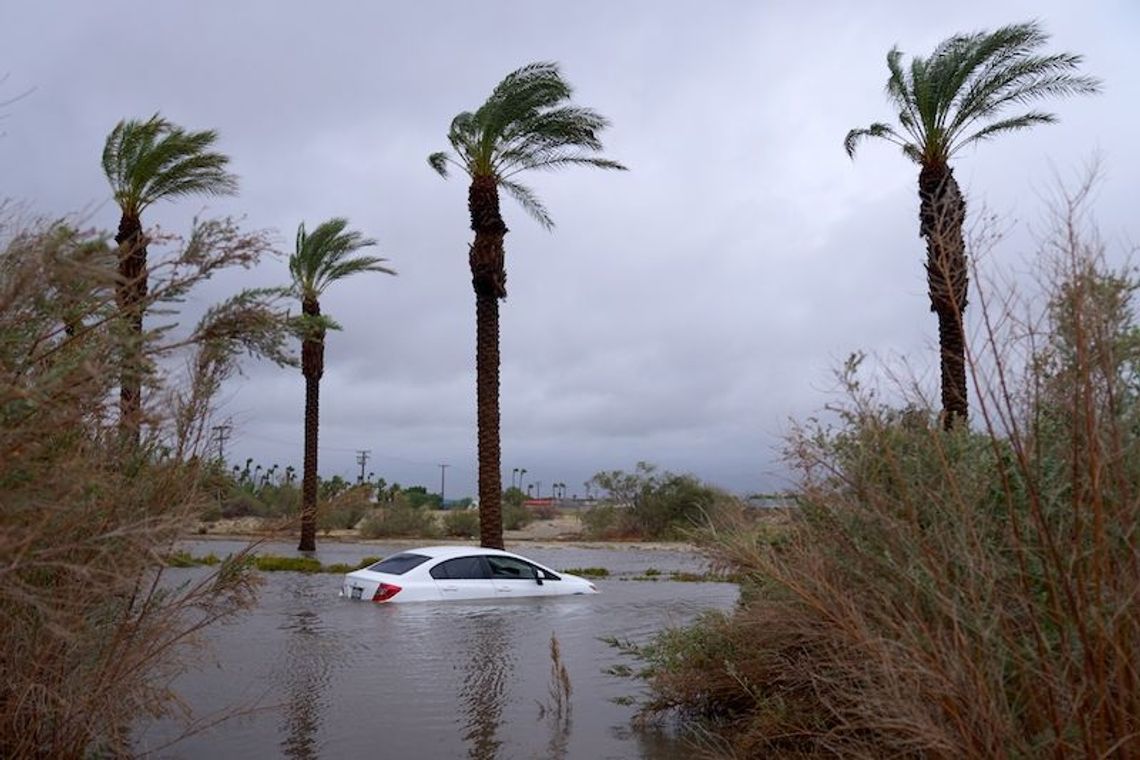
(450, 588)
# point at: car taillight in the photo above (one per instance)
(385, 591)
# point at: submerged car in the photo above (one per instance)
(436, 573)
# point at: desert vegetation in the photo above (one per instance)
(651, 504)
(91, 631)
(962, 593)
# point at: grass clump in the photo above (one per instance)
(969, 593)
(270, 564)
(589, 572)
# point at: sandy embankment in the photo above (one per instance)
(559, 530)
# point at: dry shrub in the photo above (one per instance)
(91, 632)
(461, 523)
(399, 521)
(544, 511)
(345, 510)
(961, 594)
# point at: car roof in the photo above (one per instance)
(443, 552)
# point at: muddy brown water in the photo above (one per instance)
(318, 676)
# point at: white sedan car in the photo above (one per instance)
(437, 573)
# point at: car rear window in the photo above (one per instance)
(398, 564)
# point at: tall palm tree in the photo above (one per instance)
(527, 123)
(145, 162)
(949, 101)
(319, 260)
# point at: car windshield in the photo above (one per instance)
(398, 564)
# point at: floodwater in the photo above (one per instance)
(317, 676)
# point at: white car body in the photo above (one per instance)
(441, 573)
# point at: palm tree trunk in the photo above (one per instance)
(489, 278)
(130, 296)
(487, 405)
(312, 367)
(942, 214)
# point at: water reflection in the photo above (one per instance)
(307, 665)
(482, 692)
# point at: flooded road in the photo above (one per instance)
(333, 678)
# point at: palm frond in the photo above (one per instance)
(526, 123)
(525, 91)
(349, 267)
(970, 79)
(147, 161)
(529, 201)
(439, 162)
(556, 161)
(878, 129)
(1024, 121)
(325, 255)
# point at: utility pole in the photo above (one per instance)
(362, 459)
(442, 482)
(221, 433)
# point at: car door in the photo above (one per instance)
(514, 577)
(463, 578)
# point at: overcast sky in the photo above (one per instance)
(681, 313)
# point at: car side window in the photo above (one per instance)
(509, 568)
(460, 568)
